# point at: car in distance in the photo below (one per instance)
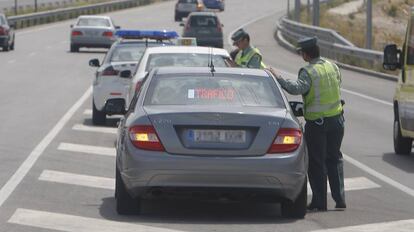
(109, 86)
(92, 31)
(6, 34)
(184, 7)
(206, 27)
(214, 4)
(225, 131)
(181, 56)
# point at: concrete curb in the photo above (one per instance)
(284, 43)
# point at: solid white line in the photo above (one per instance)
(81, 127)
(400, 226)
(24, 168)
(380, 176)
(76, 179)
(96, 150)
(353, 184)
(70, 223)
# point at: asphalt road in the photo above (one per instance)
(56, 173)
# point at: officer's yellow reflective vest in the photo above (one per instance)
(324, 97)
(243, 61)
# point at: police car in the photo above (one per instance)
(109, 87)
(177, 56)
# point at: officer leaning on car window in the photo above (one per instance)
(319, 84)
(246, 56)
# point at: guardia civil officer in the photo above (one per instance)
(319, 84)
(247, 56)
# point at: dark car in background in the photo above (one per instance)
(214, 4)
(206, 27)
(184, 7)
(6, 34)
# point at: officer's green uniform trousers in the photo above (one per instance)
(324, 131)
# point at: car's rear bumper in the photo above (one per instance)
(213, 42)
(102, 94)
(282, 175)
(92, 42)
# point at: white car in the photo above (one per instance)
(109, 87)
(177, 56)
(92, 31)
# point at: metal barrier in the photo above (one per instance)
(332, 45)
(28, 20)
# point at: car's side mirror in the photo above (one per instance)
(297, 108)
(94, 63)
(117, 27)
(12, 25)
(125, 74)
(182, 24)
(392, 56)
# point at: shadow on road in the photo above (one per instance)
(403, 162)
(192, 211)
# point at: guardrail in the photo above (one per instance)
(28, 20)
(332, 45)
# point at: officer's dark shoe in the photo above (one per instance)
(313, 207)
(340, 205)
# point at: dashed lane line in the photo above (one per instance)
(98, 129)
(87, 149)
(76, 179)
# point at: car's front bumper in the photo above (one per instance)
(283, 175)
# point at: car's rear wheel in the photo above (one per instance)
(297, 208)
(74, 48)
(402, 145)
(125, 204)
(98, 117)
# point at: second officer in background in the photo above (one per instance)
(319, 84)
(247, 56)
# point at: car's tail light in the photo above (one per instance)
(138, 86)
(145, 138)
(287, 140)
(108, 34)
(110, 71)
(3, 31)
(76, 33)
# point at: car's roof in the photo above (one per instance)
(137, 41)
(203, 13)
(94, 16)
(207, 70)
(187, 49)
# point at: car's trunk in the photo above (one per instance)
(224, 131)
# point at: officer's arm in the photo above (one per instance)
(255, 61)
(298, 87)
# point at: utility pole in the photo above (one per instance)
(368, 44)
(288, 9)
(35, 5)
(15, 7)
(297, 10)
(315, 20)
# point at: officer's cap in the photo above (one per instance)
(238, 35)
(307, 42)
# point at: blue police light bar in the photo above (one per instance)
(146, 34)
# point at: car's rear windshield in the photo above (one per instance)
(130, 52)
(203, 21)
(2, 20)
(205, 89)
(187, 1)
(94, 22)
(183, 60)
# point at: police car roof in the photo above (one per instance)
(188, 49)
(207, 70)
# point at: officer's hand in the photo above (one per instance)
(230, 63)
(274, 72)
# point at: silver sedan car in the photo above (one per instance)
(92, 32)
(226, 132)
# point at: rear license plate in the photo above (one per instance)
(203, 31)
(91, 33)
(218, 136)
(186, 7)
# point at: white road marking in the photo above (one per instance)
(96, 150)
(76, 179)
(352, 184)
(107, 130)
(400, 226)
(87, 112)
(380, 176)
(11, 61)
(70, 223)
(25, 167)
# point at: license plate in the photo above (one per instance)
(218, 136)
(91, 33)
(203, 31)
(186, 7)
